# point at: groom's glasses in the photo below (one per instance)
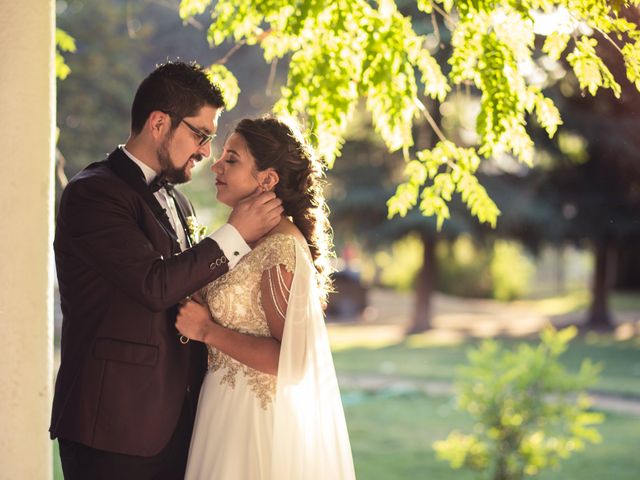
(204, 138)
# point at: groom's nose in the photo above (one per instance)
(205, 150)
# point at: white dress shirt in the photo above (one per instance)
(227, 237)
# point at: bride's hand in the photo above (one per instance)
(194, 320)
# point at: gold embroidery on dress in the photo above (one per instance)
(235, 302)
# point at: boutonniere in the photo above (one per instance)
(197, 231)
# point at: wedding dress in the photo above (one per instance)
(255, 426)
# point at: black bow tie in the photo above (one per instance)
(160, 182)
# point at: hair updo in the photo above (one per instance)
(275, 144)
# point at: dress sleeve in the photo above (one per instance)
(278, 249)
(275, 287)
(278, 264)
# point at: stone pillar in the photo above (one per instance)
(27, 125)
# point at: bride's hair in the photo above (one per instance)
(279, 145)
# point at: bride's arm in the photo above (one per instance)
(261, 353)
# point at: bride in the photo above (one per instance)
(269, 406)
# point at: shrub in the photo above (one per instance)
(511, 271)
(531, 413)
(463, 268)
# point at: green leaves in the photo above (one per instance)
(555, 44)
(546, 112)
(590, 69)
(64, 43)
(631, 54)
(190, 8)
(343, 52)
(500, 111)
(451, 170)
(227, 82)
(524, 404)
(462, 450)
(388, 81)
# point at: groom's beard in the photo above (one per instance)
(171, 173)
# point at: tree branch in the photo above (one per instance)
(230, 53)
(430, 120)
(272, 77)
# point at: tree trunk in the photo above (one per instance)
(425, 281)
(599, 316)
(628, 266)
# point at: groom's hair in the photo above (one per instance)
(178, 88)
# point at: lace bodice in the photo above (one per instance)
(235, 301)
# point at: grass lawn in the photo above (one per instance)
(379, 346)
(392, 436)
(420, 358)
(57, 469)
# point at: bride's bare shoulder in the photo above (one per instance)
(287, 227)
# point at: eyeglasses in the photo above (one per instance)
(204, 138)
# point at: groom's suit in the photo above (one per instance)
(124, 374)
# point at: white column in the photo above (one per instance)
(27, 124)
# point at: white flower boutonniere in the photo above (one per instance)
(197, 231)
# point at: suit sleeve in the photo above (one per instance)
(105, 228)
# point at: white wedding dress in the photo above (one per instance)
(254, 426)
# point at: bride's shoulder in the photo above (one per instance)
(287, 227)
(285, 231)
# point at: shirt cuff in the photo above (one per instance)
(231, 242)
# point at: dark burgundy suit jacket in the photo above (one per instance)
(123, 373)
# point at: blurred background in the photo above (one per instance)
(411, 301)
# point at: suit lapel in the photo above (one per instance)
(132, 175)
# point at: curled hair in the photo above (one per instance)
(278, 145)
(176, 87)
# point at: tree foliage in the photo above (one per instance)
(64, 43)
(346, 51)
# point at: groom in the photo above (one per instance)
(127, 387)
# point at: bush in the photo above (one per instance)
(530, 412)
(463, 268)
(511, 271)
(399, 264)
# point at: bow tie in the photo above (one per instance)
(160, 182)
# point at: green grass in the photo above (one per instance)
(417, 358)
(391, 439)
(57, 469)
(621, 301)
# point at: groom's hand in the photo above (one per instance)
(194, 320)
(255, 215)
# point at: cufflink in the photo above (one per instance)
(219, 261)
